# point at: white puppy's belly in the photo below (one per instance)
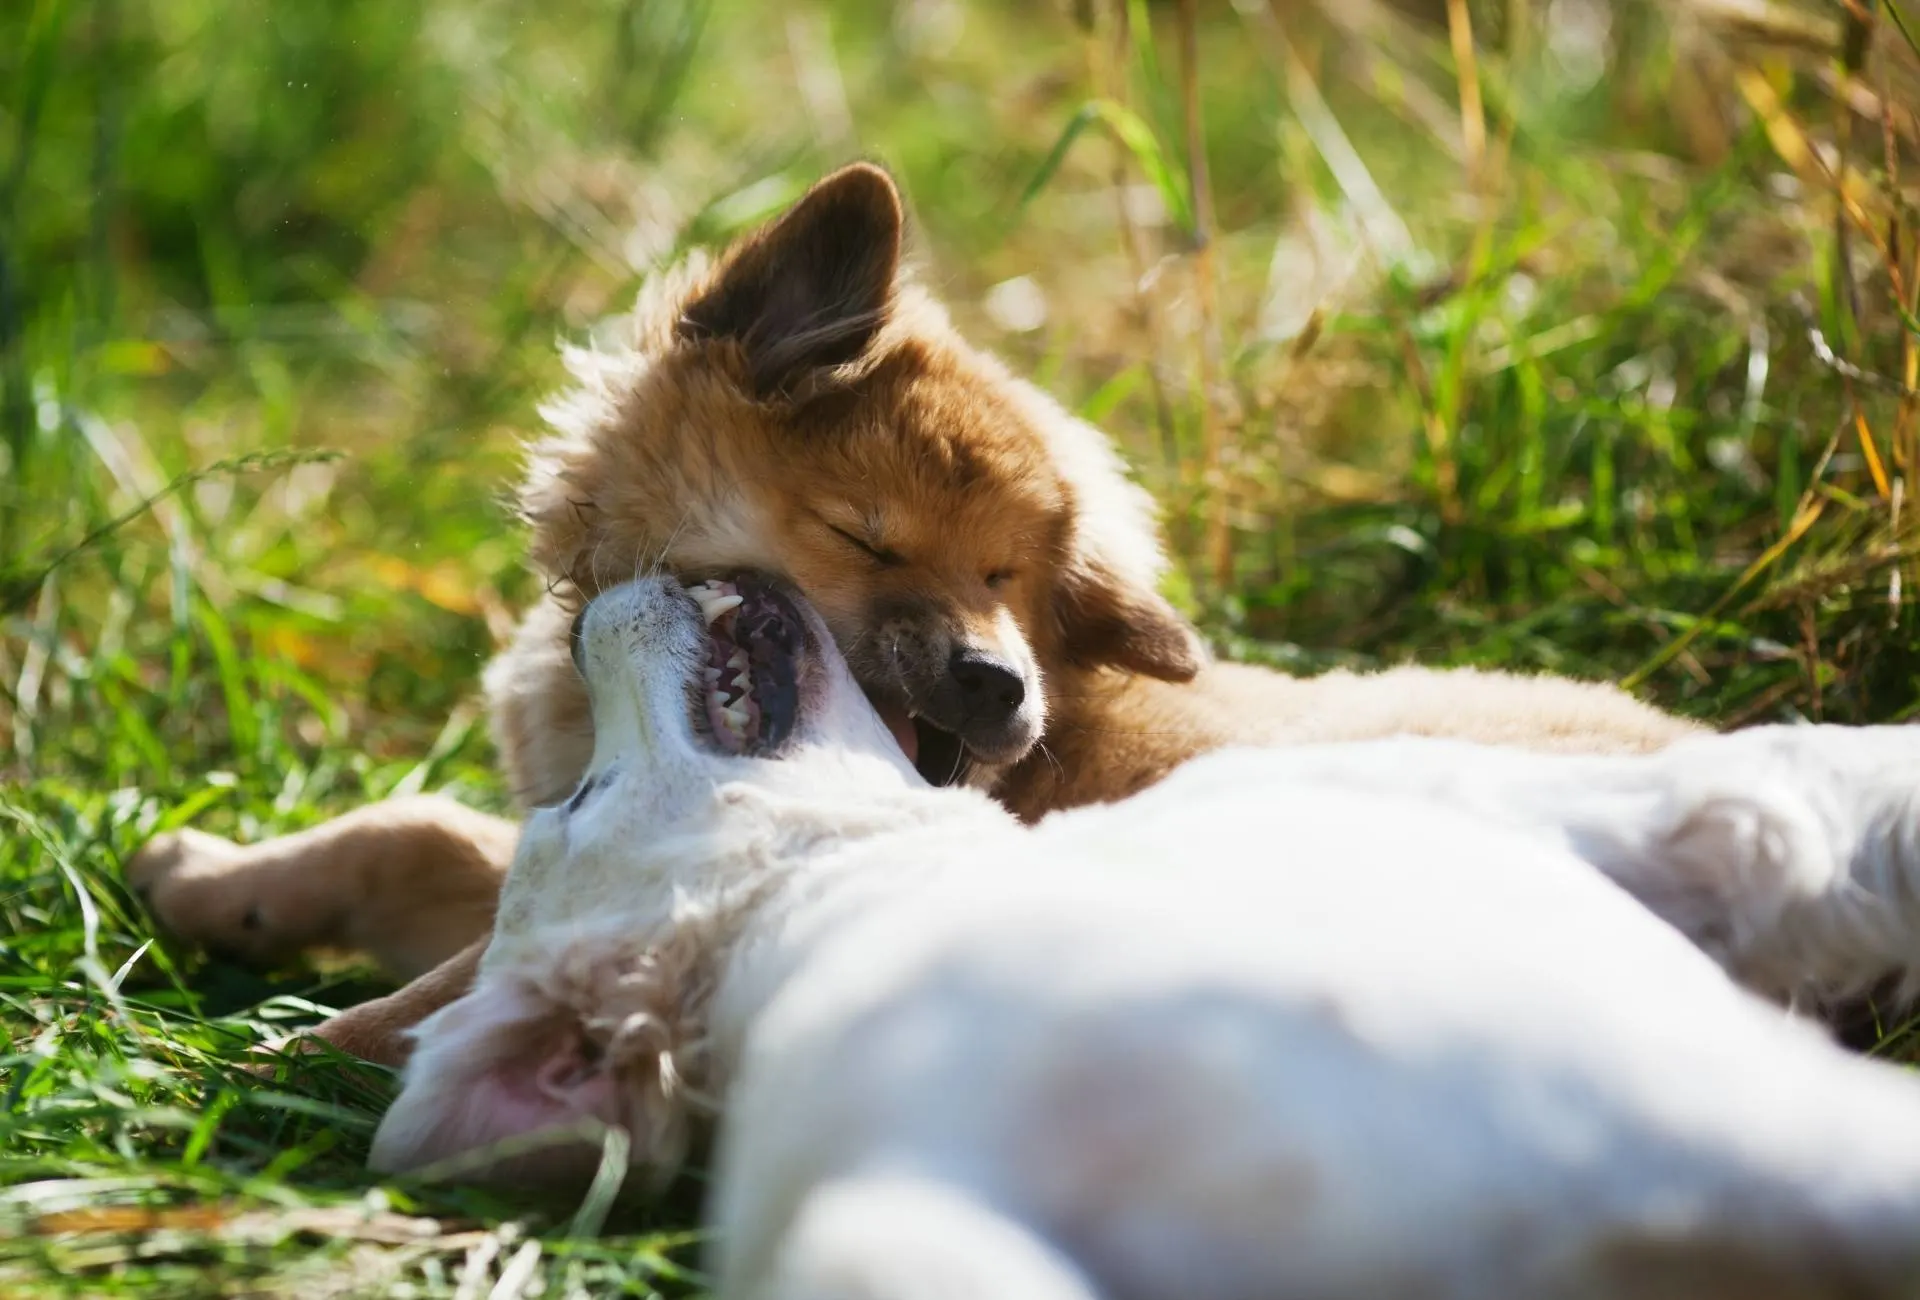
(1314, 1043)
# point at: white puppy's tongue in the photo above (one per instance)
(901, 725)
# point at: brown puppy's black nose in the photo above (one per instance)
(578, 643)
(989, 691)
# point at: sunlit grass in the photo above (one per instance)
(1613, 374)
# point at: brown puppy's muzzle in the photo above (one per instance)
(979, 693)
(981, 700)
(962, 699)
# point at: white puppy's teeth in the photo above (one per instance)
(743, 682)
(736, 719)
(718, 606)
(738, 661)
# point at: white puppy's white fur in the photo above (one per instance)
(1394, 1018)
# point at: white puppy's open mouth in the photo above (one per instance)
(748, 696)
(749, 702)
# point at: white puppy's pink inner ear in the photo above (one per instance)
(574, 1077)
(554, 1081)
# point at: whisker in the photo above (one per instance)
(593, 562)
(660, 560)
(959, 762)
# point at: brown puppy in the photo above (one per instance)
(981, 557)
(803, 409)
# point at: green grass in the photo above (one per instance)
(279, 289)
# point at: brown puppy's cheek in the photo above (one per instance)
(844, 615)
(899, 658)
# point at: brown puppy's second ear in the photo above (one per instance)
(1106, 621)
(810, 290)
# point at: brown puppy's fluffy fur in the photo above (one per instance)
(800, 407)
(923, 498)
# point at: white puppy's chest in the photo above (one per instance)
(1258, 1040)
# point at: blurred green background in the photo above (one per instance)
(1575, 335)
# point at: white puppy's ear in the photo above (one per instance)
(494, 1079)
(518, 1089)
(810, 290)
(1106, 620)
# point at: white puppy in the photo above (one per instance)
(1366, 1020)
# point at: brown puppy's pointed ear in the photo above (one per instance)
(810, 290)
(1106, 621)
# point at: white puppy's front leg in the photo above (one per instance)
(890, 1238)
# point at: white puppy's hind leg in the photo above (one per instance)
(907, 1239)
(1807, 841)
(1790, 854)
